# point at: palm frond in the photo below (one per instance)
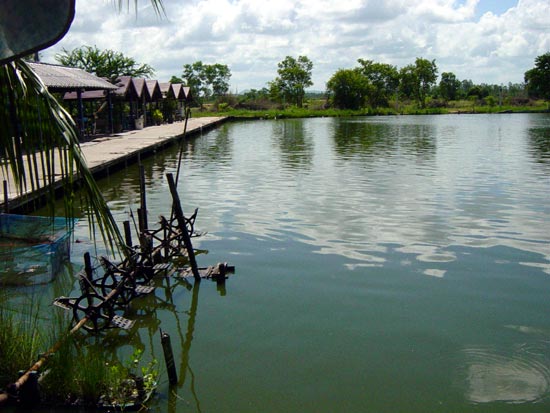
(39, 147)
(158, 6)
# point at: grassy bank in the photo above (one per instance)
(316, 110)
(78, 374)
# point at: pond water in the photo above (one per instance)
(383, 264)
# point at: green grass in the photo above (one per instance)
(21, 340)
(77, 372)
(404, 109)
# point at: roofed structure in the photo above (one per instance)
(62, 78)
(181, 92)
(153, 89)
(126, 88)
(142, 92)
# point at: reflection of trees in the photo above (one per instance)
(295, 146)
(539, 141)
(218, 147)
(418, 139)
(353, 137)
(358, 137)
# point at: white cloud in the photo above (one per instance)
(252, 36)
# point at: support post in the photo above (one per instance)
(143, 200)
(110, 112)
(127, 233)
(29, 393)
(140, 388)
(169, 357)
(6, 198)
(178, 211)
(80, 112)
(88, 274)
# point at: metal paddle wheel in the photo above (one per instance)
(107, 288)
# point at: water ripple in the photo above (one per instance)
(519, 376)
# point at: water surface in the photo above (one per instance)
(384, 264)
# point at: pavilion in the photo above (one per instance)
(129, 101)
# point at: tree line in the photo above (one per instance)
(369, 84)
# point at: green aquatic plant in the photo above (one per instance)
(21, 339)
(83, 376)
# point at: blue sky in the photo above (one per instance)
(495, 6)
(487, 41)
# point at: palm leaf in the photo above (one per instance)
(39, 147)
(158, 6)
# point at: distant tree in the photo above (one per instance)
(294, 77)
(479, 91)
(465, 86)
(348, 89)
(408, 82)
(255, 99)
(206, 80)
(217, 76)
(384, 79)
(427, 76)
(449, 86)
(538, 78)
(254, 94)
(176, 80)
(417, 80)
(104, 63)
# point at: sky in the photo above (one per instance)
(486, 41)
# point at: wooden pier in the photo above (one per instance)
(110, 153)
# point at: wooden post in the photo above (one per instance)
(29, 393)
(80, 113)
(141, 223)
(127, 233)
(6, 198)
(88, 273)
(140, 388)
(110, 112)
(88, 266)
(169, 357)
(176, 206)
(143, 203)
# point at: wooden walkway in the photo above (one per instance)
(117, 151)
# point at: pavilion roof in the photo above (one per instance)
(62, 78)
(153, 89)
(166, 89)
(126, 88)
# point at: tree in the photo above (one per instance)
(176, 80)
(538, 78)
(449, 86)
(416, 80)
(104, 63)
(408, 82)
(294, 77)
(206, 80)
(217, 77)
(348, 89)
(384, 79)
(427, 76)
